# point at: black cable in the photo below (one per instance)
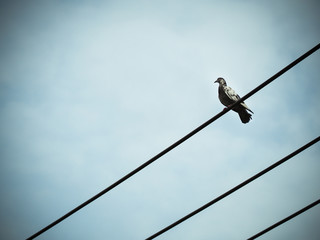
(176, 143)
(235, 188)
(285, 219)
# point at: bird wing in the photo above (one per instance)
(246, 107)
(231, 94)
(234, 97)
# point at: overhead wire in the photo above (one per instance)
(285, 219)
(222, 196)
(177, 143)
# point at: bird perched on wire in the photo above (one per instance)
(228, 96)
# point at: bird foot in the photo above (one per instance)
(227, 107)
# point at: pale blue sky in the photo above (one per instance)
(90, 90)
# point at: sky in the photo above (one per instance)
(90, 90)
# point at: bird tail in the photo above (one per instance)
(244, 115)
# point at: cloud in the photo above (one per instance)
(91, 90)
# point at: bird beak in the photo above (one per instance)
(216, 81)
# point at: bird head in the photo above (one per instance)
(221, 80)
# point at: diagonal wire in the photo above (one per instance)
(234, 189)
(285, 219)
(138, 169)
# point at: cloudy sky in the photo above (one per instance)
(90, 90)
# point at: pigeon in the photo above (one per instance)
(228, 96)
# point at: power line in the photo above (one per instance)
(234, 189)
(285, 219)
(138, 169)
